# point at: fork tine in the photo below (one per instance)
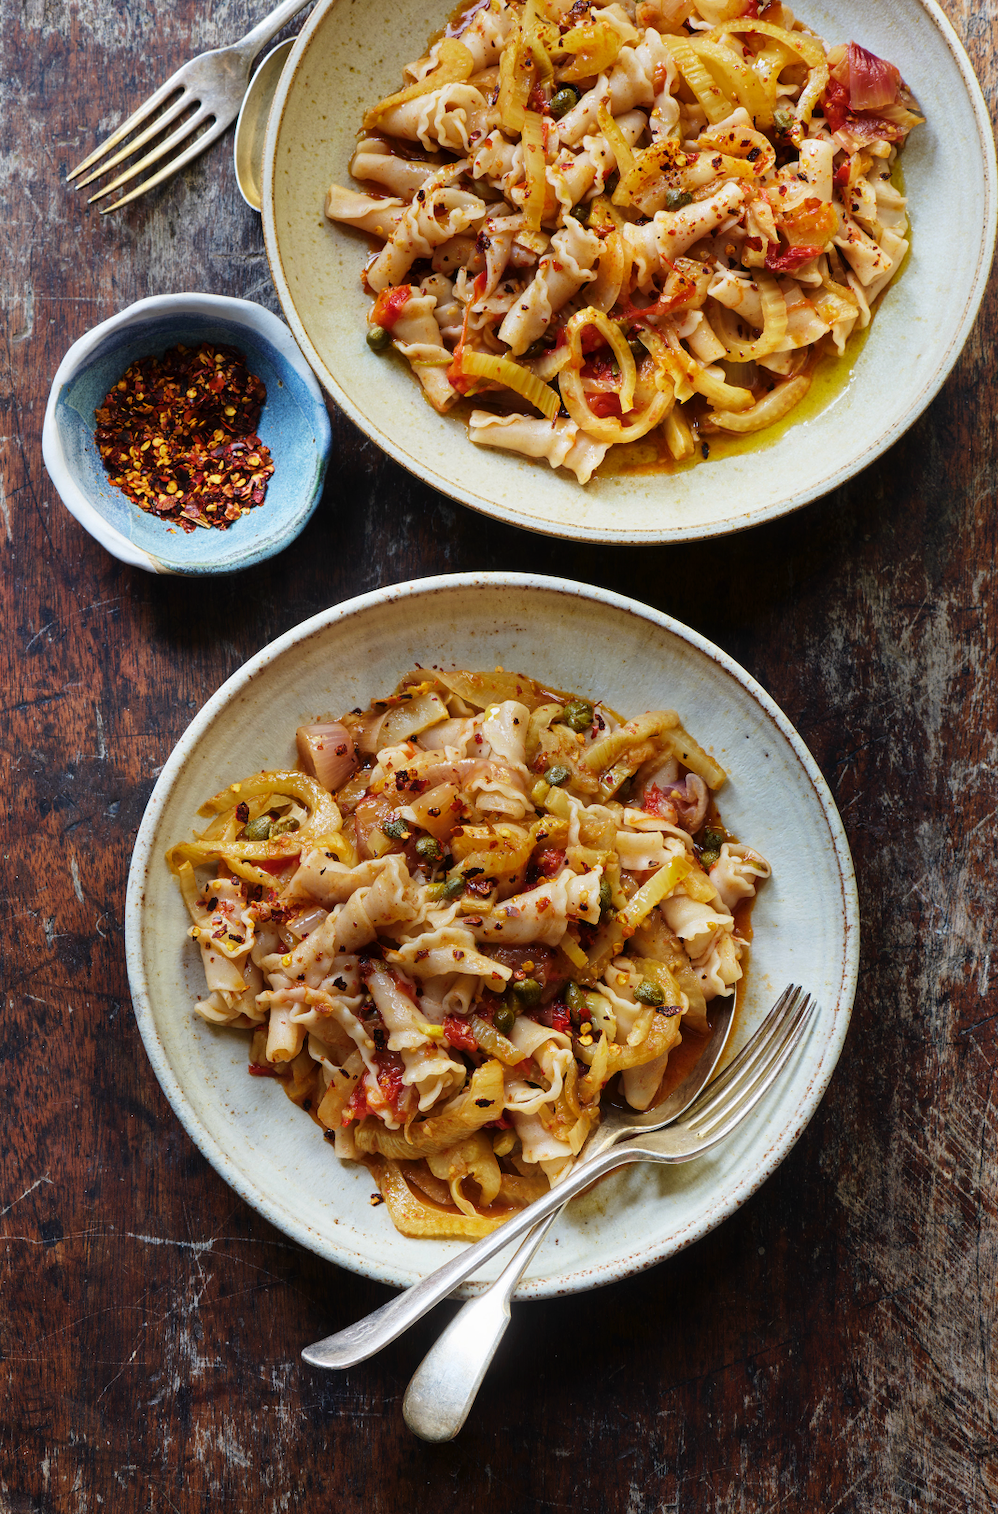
(763, 1048)
(188, 156)
(173, 140)
(731, 1111)
(185, 101)
(174, 82)
(745, 1059)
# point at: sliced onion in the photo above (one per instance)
(454, 65)
(502, 370)
(327, 752)
(595, 46)
(873, 83)
(610, 271)
(618, 144)
(713, 99)
(532, 138)
(773, 408)
(774, 311)
(739, 80)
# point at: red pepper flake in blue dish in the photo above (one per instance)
(178, 435)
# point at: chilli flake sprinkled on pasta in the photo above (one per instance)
(481, 902)
(629, 217)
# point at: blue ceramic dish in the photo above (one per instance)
(294, 425)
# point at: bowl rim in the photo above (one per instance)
(240, 312)
(578, 531)
(144, 858)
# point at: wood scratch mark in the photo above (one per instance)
(101, 743)
(39, 633)
(74, 873)
(36, 1184)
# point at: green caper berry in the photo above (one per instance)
(563, 101)
(605, 897)
(557, 775)
(638, 351)
(504, 1019)
(675, 199)
(581, 212)
(454, 887)
(708, 859)
(648, 992)
(575, 998)
(258, 829)
(783, 120)
(377, 338)
(713, 840)
(283, 827)
(396, 829)
(577, 714)
(429, 849)
(528, 992)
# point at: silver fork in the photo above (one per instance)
(723, 1105)
(213, 83)
(445, 1385)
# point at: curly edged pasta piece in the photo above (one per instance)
(445, 959)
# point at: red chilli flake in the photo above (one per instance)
(177, 434)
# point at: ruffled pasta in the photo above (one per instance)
(509, 897)
(628, 220)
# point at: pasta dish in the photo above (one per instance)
(469, 908)
(642, 218)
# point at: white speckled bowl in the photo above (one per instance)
(576, 637)
(349, 54)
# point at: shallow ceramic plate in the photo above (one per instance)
(574, 637)
(349, 55)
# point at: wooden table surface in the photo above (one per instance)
(833, 1346)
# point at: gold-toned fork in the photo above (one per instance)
(725, 1102)
(211, 86)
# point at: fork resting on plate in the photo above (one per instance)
(723, 1105)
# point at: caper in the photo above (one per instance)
(575, 998)
(528, 991)
(605, 897)
(377, 338)
(638, 350)
(429, 849)
(578, 714)
(648, 992)
(564, 101)
(675, 199)
(449, 890)
(581, 212)
(557, 775)
(283, 827)
(396, 829)
(258, 829)
(504, 1019)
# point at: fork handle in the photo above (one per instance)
(357, 1342)
(444, 1386)
(260, 34)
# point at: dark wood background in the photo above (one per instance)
(830, 1348)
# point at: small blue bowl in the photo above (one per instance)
(294, 425)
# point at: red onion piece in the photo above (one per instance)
(873, 83)
(327, 752)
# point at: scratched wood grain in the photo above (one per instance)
(833, 1346)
